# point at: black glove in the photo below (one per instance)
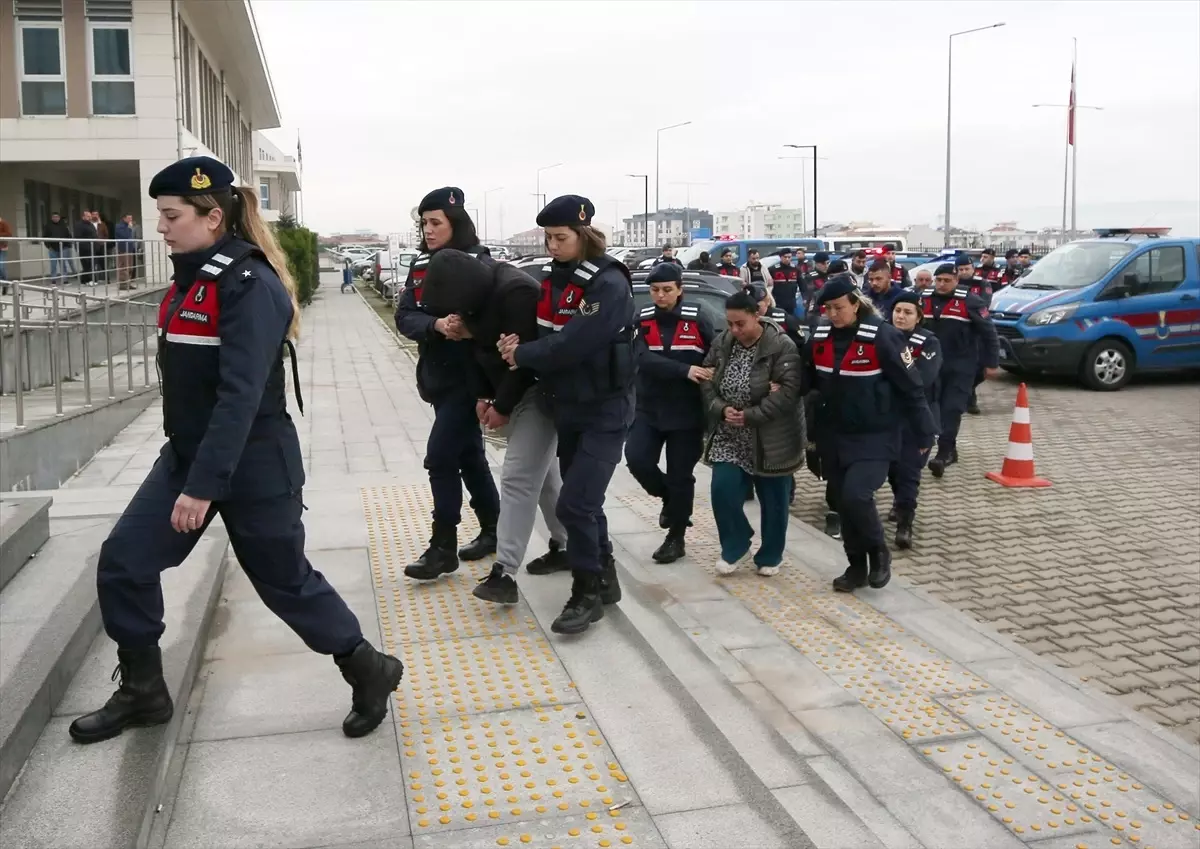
(812, 459)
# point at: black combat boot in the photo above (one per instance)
(937, 466)
(497, 587)
(833, 525)
(610, 587)
(482, 545)
(373, 676)
(855, 575)
(141, 698)
(554, 560)
(583, 607)
(439, 559)
(672, 548)
(881, 567)
(904, 528)
(893, 514)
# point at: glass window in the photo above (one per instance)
(43, 84)
(112, 71)
(264, 194)
(1159, 270)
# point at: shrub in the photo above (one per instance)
(300, 245)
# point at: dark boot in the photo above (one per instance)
(671, 550)
(373, 676)
(497, 587)
(554, 560)
(482, 545)
(892, 514)
(833, 525)
(855, 575)
(973, 405)
(610, 587)
(141, 698)
(881, 568)
(583, 607)
(904, 528)
(937, 466)
(439, 559)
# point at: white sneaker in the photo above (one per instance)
(724, 567)
(768, 571)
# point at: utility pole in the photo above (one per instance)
(645, 178)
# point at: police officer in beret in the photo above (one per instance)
(905, 473)
(672, 338)
(454, 454)
(584, 360)
(869, 385)
(224, 327)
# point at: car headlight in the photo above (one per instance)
(1052, 315)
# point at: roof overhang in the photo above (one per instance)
(229, 34)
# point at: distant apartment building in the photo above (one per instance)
(276, 178)
(667, 225)
(99, 95)
(762, 221)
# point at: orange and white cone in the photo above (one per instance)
(1018, 462)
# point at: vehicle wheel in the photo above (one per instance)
(1107, 365)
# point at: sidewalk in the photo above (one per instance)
(702, 712)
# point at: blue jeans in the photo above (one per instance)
(60, 263)
(729, 511)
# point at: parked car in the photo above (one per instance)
(706, 294)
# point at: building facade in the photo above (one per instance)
(99, 95)
(675, 226)
(276, 179)
(762, 221)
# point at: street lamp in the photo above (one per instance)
(538, 193)
(485, 215)
(949, 80)
(813, 148)
(804, 190)
(645, 178)
(687, 209)
(657, 136)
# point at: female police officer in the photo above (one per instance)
(454, 452)
(584, 363)
(673, 338)
(232, 451)
(867, 379)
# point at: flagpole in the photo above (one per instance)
(1074, 132)
(1066, 175)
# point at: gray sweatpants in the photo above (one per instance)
(529, 479)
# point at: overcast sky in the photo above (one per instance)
(393, 98)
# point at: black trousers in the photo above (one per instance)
(957, 387)
(587, 460)
(267, 536)
(905, 473)
(851, 484)
(677, 486)
(454, 456)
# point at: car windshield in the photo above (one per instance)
(1075, 265)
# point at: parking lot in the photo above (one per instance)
(1100, 572)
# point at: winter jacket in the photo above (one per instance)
(55, 234)
(775, 418)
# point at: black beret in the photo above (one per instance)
(963, 259)
(838, 266)
(946, 268)
(726, 251)
(196, 175)
(567, 211)
(908, 296)
(757, 291)
(444, 198)
(836, 287)
(989, 251)
(665, 272)
(821, 256)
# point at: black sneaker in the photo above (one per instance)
(671, 550)
(497, 587)
(554, 560)
(833, 525)
(482, 546)
(583, 607)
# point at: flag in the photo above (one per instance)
(300, 155)
(1071, 109)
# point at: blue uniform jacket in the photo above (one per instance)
(669, 343)
(884, 300)
(443, 365)
(968, 337)
(869, 387)
(584, 354)
(222, 337)
(927, 356)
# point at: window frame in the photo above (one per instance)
(22, 77)
(264, 194)
(94, 78)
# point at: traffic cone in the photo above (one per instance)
(1018, 462)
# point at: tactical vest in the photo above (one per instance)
(728, 270)
(955, 308)
(784, 274)
(416, 279)
(980, 287)
(863, 402)
(897, 273)
(860, 359)
(685, 338)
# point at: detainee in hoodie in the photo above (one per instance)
(484, 300)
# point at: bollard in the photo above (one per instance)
(87, 351)
(19, 352)
(55, 354)
(112, 389)
(128, 351)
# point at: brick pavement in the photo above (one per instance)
(1101, 572)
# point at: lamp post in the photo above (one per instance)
(804, 192)
(538, 191)
(657, 137)
(813, 148)
(485, 214)
(645, 178)
(949, 89)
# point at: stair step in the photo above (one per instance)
(112, 787)
(24, 528)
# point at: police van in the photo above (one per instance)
(1104, 308)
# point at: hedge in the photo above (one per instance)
(300, 245)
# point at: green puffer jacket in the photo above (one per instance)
(776, 418)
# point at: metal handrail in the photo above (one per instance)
(55, 323)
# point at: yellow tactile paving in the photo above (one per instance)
(493, 736)
(1020, 768)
